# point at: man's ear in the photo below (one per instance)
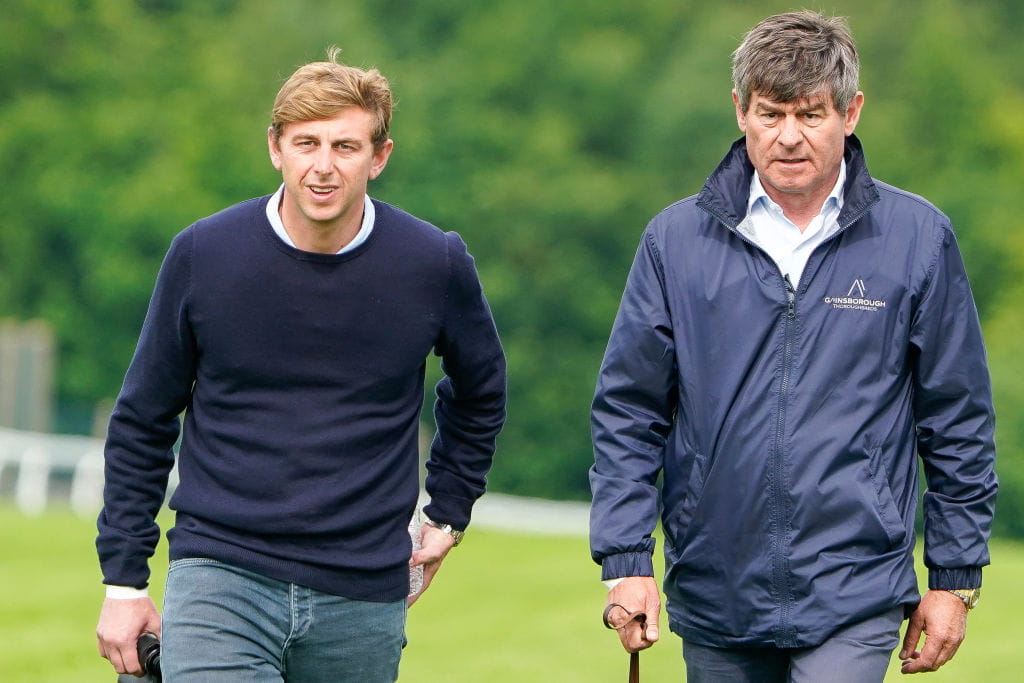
(741, 116)
(274, 148)
(380, 158)
(853, 112)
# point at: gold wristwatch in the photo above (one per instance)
(968, 595)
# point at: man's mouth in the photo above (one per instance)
(322, 190)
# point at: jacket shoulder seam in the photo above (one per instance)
(652, 246)
(941, 226)
(910, 196)
(941, 235)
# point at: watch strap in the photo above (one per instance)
(456, 534)
(969, 596)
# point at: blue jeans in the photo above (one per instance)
(857, 653)
(222, 623)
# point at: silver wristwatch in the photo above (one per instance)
(456, 534)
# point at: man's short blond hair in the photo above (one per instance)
(319, 90)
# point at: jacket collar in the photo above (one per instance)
(726, 191)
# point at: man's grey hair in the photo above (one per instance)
(790, 57)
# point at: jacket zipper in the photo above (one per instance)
(779, 469)
(790, 298)
(780, 571)
(784, 634)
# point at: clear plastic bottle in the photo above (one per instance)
(415, 573)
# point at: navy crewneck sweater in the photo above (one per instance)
(301, 380)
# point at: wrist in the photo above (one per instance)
(126, 593)
(969, 596)
(445, 527)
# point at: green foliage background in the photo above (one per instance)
(547, 133)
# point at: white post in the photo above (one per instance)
(87, 484)
(33, 481)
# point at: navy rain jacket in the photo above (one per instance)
(786, 424)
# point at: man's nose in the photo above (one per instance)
(322, 161)
(790, 134)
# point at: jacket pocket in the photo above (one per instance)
(856, 516)
(892, 522)
(678, 522)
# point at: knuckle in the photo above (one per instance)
(121, 641)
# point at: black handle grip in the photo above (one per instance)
(148, 647)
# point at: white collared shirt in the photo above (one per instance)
(274, 216)
(767, 227)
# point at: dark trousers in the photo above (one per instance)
(858, 653)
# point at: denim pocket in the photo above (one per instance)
(194, 562)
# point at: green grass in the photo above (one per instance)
(505, 607)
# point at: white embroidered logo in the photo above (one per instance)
(856, 298)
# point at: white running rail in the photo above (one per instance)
(33, 466)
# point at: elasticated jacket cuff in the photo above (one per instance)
(626, 564)
(940, 579)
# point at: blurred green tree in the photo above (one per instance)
(546, 133)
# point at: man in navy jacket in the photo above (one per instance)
(789, 341)
(293, 330)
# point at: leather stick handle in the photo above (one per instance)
(634, 657)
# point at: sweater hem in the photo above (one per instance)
(385, 584)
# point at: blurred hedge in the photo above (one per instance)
(546, 133)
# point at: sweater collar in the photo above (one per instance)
(365, 228)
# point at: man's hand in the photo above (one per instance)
(942, 616)
(435, 545)
(636, 594)
(121, 624)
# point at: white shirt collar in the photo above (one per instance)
(757, 191)
(273, 215)
(766, 226)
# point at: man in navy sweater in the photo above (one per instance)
(292, 331)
